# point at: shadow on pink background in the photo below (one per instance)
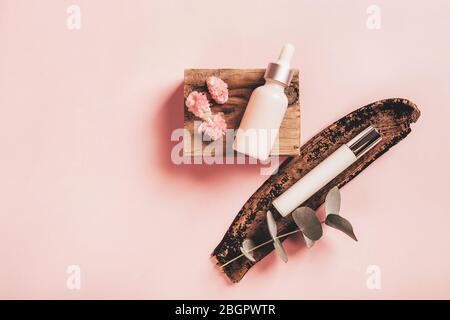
(85, 170)
(170, 119)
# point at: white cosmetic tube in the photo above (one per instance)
(326, 171)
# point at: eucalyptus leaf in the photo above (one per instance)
(305, 218)
(280, 250)
(333, 201)
(246, 248)
(272, 225)
(340, 223)
(309, 243)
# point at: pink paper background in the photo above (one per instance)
(85, 170)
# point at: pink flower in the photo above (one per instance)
(214, 127)
(198, 104)
(218, 89)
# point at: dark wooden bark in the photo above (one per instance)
(392, 117)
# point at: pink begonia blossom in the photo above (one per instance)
(198, 104)
(218, 89)
(214, 127)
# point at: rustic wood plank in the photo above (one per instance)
(392, 117)
(241, 83)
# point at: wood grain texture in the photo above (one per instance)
(241, 83)
(392, 117)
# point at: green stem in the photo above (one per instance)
(259, 246)
(262, 245)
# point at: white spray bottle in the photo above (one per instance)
(265, 110)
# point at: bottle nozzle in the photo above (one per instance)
(364, 141)
(281, 70)
(286, 55)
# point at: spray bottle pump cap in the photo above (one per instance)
(364, 141)
(286, 55)
(281, 70)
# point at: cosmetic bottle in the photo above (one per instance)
(326, 171)
(265, 110)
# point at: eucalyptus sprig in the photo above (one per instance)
(308, 225)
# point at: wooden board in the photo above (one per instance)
(241, 83)
(392, 118)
